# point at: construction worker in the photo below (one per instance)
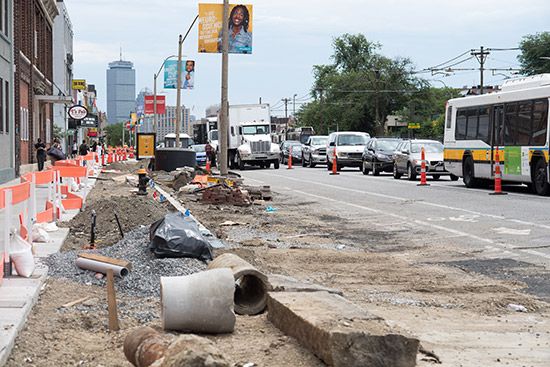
(210, 154)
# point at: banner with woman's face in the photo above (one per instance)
(240, 28)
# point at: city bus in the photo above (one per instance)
(514, 121)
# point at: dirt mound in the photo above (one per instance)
(128, 166)
(132, 212)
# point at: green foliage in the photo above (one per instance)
(533, 48)
(114, 134)
(360, 89)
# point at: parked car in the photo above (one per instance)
(314, 151)
(349, 147)
(407, 159)
(200, 153)
(378, 155)
(296, 151)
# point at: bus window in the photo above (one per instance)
(461, 125)
(510, 123)
(471, 126)
(523, 123)
(449, 116)
(483, 125)
(540, 122)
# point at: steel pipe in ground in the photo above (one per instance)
(101, 267)
(200, 302)
(251, 286)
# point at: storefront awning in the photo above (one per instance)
(54, 99)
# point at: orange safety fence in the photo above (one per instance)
(72, 201)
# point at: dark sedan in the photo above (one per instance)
(296, 151)
(378, 155)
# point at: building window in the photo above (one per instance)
(7, 104)
(24, 114)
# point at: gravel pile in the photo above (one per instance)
(144, 278)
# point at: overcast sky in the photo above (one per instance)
(292, 36)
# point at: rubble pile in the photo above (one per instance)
(144, 278)
(224, 194)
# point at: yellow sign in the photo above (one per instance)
(413, 125)
(79, 84)
(133, 117)
(240, 28)
(220, 180)
(145, 145)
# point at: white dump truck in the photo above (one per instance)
(249, 137)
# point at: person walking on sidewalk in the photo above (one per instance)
(210, 154)
(74, 150)
(83, 148)
(40, 153)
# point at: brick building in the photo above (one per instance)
(33, 87)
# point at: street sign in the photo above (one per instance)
(79, 84)
(413, 125)
(77, 112)
(89, 121)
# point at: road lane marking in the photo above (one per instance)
(502, 247)
(421, 202)
(512, 231)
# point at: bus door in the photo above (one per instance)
(497, 134)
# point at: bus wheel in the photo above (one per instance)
(468, 173)
(541, 185)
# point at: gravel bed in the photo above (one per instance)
(144, 278)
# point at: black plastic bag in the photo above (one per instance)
(178, 236)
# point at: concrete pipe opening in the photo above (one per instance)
(250, 295)
(251, 285)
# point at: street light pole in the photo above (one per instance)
(178, 95)
(224, 111)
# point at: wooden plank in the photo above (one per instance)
(109, 260)
(111, 301)
(71, 304)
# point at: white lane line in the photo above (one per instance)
(421, 202)
(503, 247)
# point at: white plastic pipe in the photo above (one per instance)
(200, 302)
(101, 267)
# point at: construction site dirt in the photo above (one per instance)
(460, 315)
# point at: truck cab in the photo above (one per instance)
(254, 145)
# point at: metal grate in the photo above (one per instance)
(260, 146)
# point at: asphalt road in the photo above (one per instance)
(515, 226)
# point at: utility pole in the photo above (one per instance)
(178, 95)
(224, 111)
(481, 57)
(286, 100)
(294, 105)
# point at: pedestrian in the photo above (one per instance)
(56, 151)
(40, 153)
(83, 148)
(74, 150)
(210, 154)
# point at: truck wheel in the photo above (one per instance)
(468, 175)
(276, 164)
(304, 163)
(411, 173)
(311, 163)
(240, 163)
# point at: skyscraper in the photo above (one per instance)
(121, 91)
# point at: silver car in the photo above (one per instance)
(314, 151)
(408, 159)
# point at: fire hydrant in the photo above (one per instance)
(143, 181)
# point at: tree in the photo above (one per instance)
(114, 134)
(535, 54)
(359, 89)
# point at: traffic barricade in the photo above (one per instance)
(72, 201)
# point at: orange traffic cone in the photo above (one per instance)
(334, 164)
(423, 181)
(289, 157)
(498, 177)
(208, 168)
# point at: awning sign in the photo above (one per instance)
(79, 84)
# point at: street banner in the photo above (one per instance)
(133, 118)
(149, 107)
(171, 74)
(79, 84)
(240, 28)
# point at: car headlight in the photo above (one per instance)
(244, 150)
(342, 154)
(381, 156)
(275, 148)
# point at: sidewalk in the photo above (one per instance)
(18, 295)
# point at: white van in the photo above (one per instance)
(349, 147)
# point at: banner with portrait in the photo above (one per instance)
(187, 74)
(240, 28)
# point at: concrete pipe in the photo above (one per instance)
(101, 267)
(133, 341)
(251, 286)
(200, 302)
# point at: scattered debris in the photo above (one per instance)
(430, 355)
(80, 300)
(517, 308)
(225, 195)
(229, 223)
